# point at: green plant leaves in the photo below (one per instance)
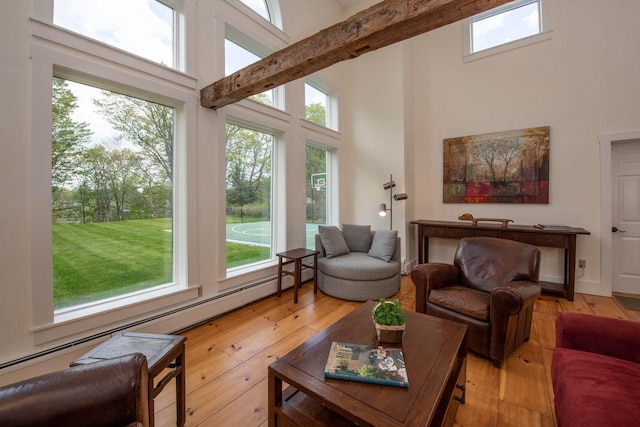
(389, 313)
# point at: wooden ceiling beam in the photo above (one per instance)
(381, 25)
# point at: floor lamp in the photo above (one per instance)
(382, 209)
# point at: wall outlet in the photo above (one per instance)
(582, 263)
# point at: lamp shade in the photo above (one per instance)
(382, 209)
(400, 196)
(388, 185)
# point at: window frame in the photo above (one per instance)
(183, 51)
(331, 160)
(274, 26)
(262, 118)
(332, 113)
(59, 52)
(546, 31)
(312, 134)
(233, 271)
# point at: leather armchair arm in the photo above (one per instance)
(512, 297)
(113, 392)
(613, 337)
(510, 302)
(432, 276)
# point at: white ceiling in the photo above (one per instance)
(346, 3)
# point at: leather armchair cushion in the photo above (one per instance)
(467, 301)
(483, 269)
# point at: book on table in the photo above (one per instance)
(552, 226)
(364, 363)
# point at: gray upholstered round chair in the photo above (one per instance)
(358, 264)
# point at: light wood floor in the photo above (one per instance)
(227, 360)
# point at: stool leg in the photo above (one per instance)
(297, 279)
(152, 410)
(315, 273)
(279, 276)
(180, 390)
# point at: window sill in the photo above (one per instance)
(93, 318)
(509, 46)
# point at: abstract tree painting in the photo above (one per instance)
(500, 167)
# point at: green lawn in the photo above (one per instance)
(99, 260)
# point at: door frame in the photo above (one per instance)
(606, 141)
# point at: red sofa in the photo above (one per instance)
(596, 371)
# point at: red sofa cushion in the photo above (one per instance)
(592, 390)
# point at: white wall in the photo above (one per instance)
(582, 82)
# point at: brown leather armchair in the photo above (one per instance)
(110, 393)
(491, 287)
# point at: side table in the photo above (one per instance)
(296, 256)
(161, 351)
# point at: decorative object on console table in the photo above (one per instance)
(562, 239)
(474, 221)
(364, 363)
(500, 167)
(389, 320)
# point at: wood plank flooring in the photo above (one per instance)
(227, 360)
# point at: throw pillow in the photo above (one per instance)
(358, 237)
(384, 244)
(332, 240)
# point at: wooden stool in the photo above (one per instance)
(296, 256)
(161, 351)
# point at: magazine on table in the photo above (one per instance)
(552, 226)
(357, 362)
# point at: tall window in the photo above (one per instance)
(142, 27)
(510, 22)
(317, 186)
(112, 193)
(248, 196)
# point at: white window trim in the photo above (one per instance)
(546, 33)
(274, 27)
(68, 54)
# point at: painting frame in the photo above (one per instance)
(499, 167)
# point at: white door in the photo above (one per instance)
(625, 171)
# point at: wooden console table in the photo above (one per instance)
(563, 239)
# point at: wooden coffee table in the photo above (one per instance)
(435, 356)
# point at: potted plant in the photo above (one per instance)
(389, 320)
